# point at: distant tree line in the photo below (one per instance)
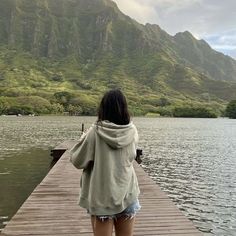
(58, 104)
(195, 112)
(231, 110)
(77, 104)
(26, 105)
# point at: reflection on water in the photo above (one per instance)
(19, 175)
(193, 160)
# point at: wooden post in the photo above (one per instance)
(82, 127)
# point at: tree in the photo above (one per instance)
(4, 105)
(63, 98)
(56, 108)
(231, 109)
(37, 104)
(20, 109)
(163, 102)
(74, 110)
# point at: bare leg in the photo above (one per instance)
(102, 228)
(124, 226)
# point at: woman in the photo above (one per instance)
(109, 186)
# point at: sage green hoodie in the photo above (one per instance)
(106, 154)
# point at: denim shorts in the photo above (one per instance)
(128, 213)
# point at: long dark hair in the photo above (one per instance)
(114, 108)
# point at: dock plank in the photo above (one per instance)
(52, 207)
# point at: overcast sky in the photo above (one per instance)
(211, 20)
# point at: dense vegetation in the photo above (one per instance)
(61, 56)
(201, 112)
(231, 109)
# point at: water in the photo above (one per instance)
(193, 160)
(25, 144)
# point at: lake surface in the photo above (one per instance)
(193, 160)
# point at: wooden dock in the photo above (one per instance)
(52, 207)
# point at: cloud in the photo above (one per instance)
(224, 42)
(155, 11)
(202, 16)
(212, 20)
(135, 9)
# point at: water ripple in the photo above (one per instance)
(194, 162)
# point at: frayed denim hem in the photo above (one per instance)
(128, 214)
(115, 218)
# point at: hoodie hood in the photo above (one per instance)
(116, 136)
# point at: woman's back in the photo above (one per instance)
(109, 183)
(109, 186)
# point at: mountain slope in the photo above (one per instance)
(201, 56)
(84, 47)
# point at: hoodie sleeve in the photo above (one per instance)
(83, 152)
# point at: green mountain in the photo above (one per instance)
(63, 54)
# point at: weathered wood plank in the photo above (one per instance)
(52, 207)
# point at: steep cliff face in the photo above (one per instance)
(53, 28)
(88, 29)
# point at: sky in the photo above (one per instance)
(211, 20)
